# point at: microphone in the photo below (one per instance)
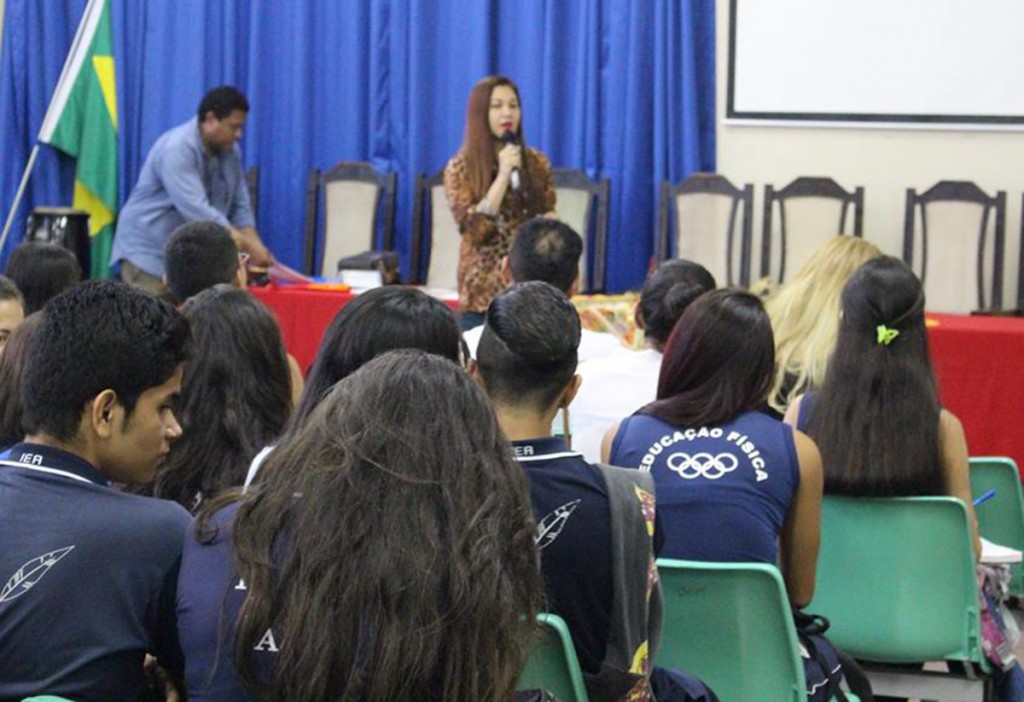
(509, 138)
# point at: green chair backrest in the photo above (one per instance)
(47, 698)
(896, 578)
(1001, 519)
(553, 665)
(730, 625)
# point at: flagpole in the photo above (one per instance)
(60, 91)
(17, 197)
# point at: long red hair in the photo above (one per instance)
(478, 143)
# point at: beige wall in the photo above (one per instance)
(884, 161)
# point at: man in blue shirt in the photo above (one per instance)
(88, 574)
(193, 172)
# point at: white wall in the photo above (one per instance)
(1, 21)
(884, 161)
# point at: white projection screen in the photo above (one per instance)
(863, 61)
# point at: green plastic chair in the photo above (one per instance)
(553, 665)
(896, 578)
(730, 625)
(47, 698)
(1000, 519)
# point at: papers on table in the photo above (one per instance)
(279, 271)
(994, 553)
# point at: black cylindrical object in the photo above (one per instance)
(64, 226)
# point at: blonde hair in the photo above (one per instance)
(805, 316)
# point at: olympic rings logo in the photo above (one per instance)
(702, 465)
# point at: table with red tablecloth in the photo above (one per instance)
(303, 316)
(979, 361)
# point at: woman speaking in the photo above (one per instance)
(493, 184)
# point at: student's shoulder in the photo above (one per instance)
(149, 516)
(597, 345)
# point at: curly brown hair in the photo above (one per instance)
(390, 545)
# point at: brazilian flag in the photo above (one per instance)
(82, 122)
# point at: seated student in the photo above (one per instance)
(378, 320)
(877, 416)
(733, 484)
(367, 564)
(548, 250)
(199, 255)
(625, 380)
(12, 309)
(235, 396)
(805, 316)
(42, 270)
(594, 522)
(12, 370)
(89, 571)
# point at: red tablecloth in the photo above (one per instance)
(979, 362)
(304, 316)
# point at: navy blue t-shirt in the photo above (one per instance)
(87, 579)
(803, 416)
(210, 595)
(570, 503)
(723, 491)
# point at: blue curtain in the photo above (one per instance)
(621, 89)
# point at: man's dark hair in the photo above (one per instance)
(198, 256)
(41, 270)
(9, 290)
(547, 250)
(667, 293)
(99, 335)
(528, 349)
(222, 101)
(718, 363)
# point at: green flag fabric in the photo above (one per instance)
(82, 122)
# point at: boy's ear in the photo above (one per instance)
(506, 271)
(473, 368)
(102, 410)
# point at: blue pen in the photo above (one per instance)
(985, 497)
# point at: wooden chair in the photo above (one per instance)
(252, 182)
(794, 241)
(697, 220)
(957, 252)
(434, 228)
(582, 203)
(1020, 269)
(355, 198)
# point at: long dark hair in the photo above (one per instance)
(876, 417)
(12, 368)
(478, 145)
(235, 395)
(378, 320)
(390, 547)
(718, 362)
